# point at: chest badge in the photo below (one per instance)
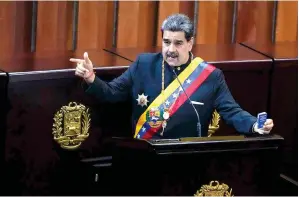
(154, 117)
(142, 100)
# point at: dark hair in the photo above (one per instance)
(178, 22)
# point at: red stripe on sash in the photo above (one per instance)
(190, 90)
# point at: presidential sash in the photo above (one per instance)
(173, 98)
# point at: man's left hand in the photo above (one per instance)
(266, 128)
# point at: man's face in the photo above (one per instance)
(175, 48)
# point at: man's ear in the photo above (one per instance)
(191, 42)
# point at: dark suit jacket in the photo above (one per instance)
(144, 76)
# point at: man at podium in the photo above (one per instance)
(173, 93)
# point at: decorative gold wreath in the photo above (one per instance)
(71, 142)
(214, 125)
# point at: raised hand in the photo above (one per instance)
(84, 68)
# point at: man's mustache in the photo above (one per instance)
(172, 54)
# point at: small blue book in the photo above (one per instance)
(261, 119)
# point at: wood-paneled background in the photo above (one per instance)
(35, 28)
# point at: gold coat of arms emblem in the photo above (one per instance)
(214, 189)
(71, 125)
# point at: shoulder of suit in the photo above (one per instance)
(216, 72)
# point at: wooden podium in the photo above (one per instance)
(228, 165)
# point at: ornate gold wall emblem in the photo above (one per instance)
(71, 125)
(214, 190)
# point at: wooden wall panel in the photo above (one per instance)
(15, 28)
(287, 21)
(7, 25)
(167, 8)
(147, 24)
(23, 28)
(207, 26)
(215, 22)
(95, 25)
(136, 24)
(254, 21)
(225, 22)
(54, 22)
(127, 30)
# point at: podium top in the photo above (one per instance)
(278, 51)
(58, 61)
(200, 145)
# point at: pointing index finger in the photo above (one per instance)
(76, 60)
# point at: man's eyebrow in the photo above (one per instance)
(178, 41)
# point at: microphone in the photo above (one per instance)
(198, 121)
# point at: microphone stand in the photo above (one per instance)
(198, 126)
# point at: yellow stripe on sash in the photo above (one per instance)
(168, 91)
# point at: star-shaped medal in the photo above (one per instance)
(142, 100)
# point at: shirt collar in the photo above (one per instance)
(183, 66)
